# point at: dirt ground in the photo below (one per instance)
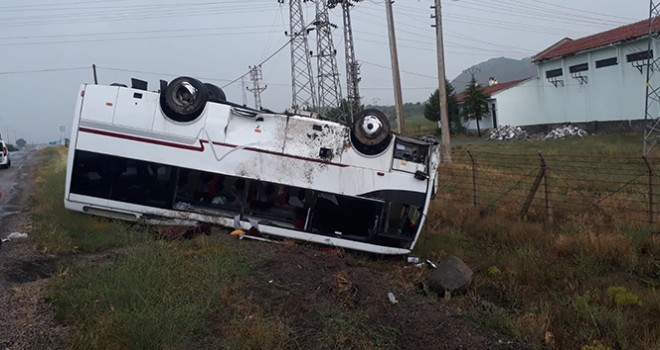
(26, 320)
(296, 281)
(293, 282)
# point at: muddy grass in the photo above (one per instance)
(334, 299)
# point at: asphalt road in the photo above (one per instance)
(10, 179)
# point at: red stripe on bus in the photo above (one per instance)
(201, 146)
(142, 139)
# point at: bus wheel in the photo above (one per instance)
(184, 99)
(371, 133)
(215, 93)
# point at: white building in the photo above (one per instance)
(597, 82)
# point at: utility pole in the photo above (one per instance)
(442, 85)
(96, 80)
(329, 90)
(255, 75)
(243, 89)
(396, 77)
(302, 81)
(473, 71)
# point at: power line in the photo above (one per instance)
(584, 11)
(389, 68)
(260, 63)
(57, 4)
(510, 11)
(43, 70)
(179, 30)
(129, 14)
(153, 73)
(128, 39)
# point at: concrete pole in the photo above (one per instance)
(444, 118)
(396, 78)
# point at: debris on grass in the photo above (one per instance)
(413, 260)
(17, 235)
(392, 298)
(508, 132)
(564, 132)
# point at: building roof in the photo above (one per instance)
(493, 89)
(567, 47)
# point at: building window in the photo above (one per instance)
(612, 61)
(579, 68)
(554, 73)
(639, 59)
(576, 72)
(552, 76)
(638, 56)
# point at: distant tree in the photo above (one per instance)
(475, 105)
(432, 109)
(21, 143)
(342, 113)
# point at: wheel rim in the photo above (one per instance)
(185, 95)
(371, 126)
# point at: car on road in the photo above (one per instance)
(5, 161)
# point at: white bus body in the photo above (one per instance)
(301, 178)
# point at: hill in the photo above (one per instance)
(503, 69)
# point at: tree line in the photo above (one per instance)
(474, 106)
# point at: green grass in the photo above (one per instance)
(418, 126)
(159, 295)
(60, 230)
(342, 329)
(544, 271)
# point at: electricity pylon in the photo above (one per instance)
(329, 90)
(352, 65)
(302, 79)
(651, 110)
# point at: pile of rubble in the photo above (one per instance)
(507, 132)
(565, 131)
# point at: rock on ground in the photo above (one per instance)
(451, 276)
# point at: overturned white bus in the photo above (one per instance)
(185, 155)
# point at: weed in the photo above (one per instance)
(61, 230)
(531, 274)
(621, 297)
(156, 296)
(596, 345)
(342, 329)
(494, 271)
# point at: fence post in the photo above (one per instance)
(651, 175)
(545, 169)
(532, 191)
(475, 191)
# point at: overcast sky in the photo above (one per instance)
(47, 47)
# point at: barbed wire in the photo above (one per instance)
(620, 187)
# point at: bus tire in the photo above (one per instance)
(371, 133)
(184, 99)
(215, 93)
